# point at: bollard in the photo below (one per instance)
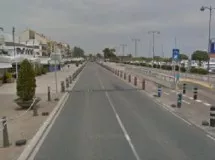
(67, 82)
(212, 116)
(121, 74)
(143, 84)
(184, 88)
(179, 100)
(159, 91)
(62, 86)
(35, 113)
(129, 78)
(49, 93)
(118, 72)
(115, 72)
(195, 93)
(70, 79)
(5, 133)
(135, 81)
(125, 76)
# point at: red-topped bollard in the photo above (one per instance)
(129, 78)
(143, 84)
(135, 81)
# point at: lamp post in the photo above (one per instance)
(153, 42)
(15, 53)
(135, 45)
(210, 8)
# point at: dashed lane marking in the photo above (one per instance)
(166, 93)
(191, 98)
(207, 104)
(198, 100)
(185, 102)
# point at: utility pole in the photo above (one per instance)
(14, 49)
(162, 51)
(135, 40)
(153, 39)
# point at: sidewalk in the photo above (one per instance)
(25, 126)
(195, 111)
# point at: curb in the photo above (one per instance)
(209, 86)
(29, 149)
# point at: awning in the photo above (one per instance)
(5, 65)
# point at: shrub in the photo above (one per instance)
(38, 70)
(77, 64)
(44, 70)
(26, 82)
(198, 70)
(176, 68)
(154, 65)
(158, 66)
(183, 69)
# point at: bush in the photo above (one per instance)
(38, 70)
(176, 68)
(44, 70)
(77, 64)
(183, 69)
(198, 70)
(154, 65)
(26, 82)
(158, 66)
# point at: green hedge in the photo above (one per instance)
(198, 70)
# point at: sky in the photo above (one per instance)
(96, 24)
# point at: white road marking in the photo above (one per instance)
(127, 137)
(166, 93)
(191, 98)
(198, 100)
(181, 118)
(173, 91)
(207, 104)
(185, 102)
(209, 136)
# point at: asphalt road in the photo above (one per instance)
(106, 119)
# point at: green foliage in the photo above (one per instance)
(44, 70)
(183, 57)
(26, 82)
(98, 55)
(198, 71)
(109, 54)
(78, 52)
(183, 69)
(38, 70)
(200, 56)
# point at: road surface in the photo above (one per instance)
(106, 119)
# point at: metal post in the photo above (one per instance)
(195, 93)
(62, 86)
(129, 78)
(135, 45)
(143, 84)
(184, 88)
(212, 116)
(5, 133)
(15, 53)
(135, 81)
(179, 100)
(56, 76)
(49, 93)
(159, 91)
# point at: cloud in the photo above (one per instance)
(93, 24)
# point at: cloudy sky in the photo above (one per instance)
(96, 24)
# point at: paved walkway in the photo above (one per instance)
(26, 126)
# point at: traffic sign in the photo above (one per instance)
(175, 54)
(212, 47)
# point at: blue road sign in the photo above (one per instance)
(175, 54)
(212, 47)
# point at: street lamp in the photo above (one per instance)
(153, 36)
(203, 8)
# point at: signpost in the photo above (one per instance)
(175, 58)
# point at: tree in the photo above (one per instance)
(98, 55)
(26, 82)
(200, 56)
(109, 53)
(183, 57)
(78, 52)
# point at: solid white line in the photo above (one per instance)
(120, 123)
(185, 102)
(198, 100)
(166, 93)
(207, 104)
(209, 136)
(181, 118)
